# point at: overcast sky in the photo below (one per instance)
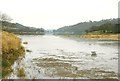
(53, 14)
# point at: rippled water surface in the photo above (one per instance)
(58, 57)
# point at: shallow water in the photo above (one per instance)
(58, 57)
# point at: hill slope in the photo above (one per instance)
(20, 29)
(80, 28)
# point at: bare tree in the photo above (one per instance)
(5, 17)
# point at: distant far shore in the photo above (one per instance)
(101, 36)
(111, 37)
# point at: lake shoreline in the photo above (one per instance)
(102, 37)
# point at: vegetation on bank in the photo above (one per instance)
(25, 42)
(101, 36)
(101, 30)
(96, 36)
(107, 28)
(11, 50)
(107, 31)
(21, 72)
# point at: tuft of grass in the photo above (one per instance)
(21, 72)
(25, 42)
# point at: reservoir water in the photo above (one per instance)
(60, 58)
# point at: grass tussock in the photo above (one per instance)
(11, 50)
(25, 42)
(21, 72)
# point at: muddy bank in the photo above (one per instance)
(60, 68)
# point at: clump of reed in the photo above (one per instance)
(25, 42)
(21, 72)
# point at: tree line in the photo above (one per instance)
(102, 26)
(105, 28)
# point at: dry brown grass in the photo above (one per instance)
(11, 50)
(25, 42)
(101, 36)
(10, 41)
(21, 72)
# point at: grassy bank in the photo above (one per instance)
(96, 36)
(101, 36)
(11, 50)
